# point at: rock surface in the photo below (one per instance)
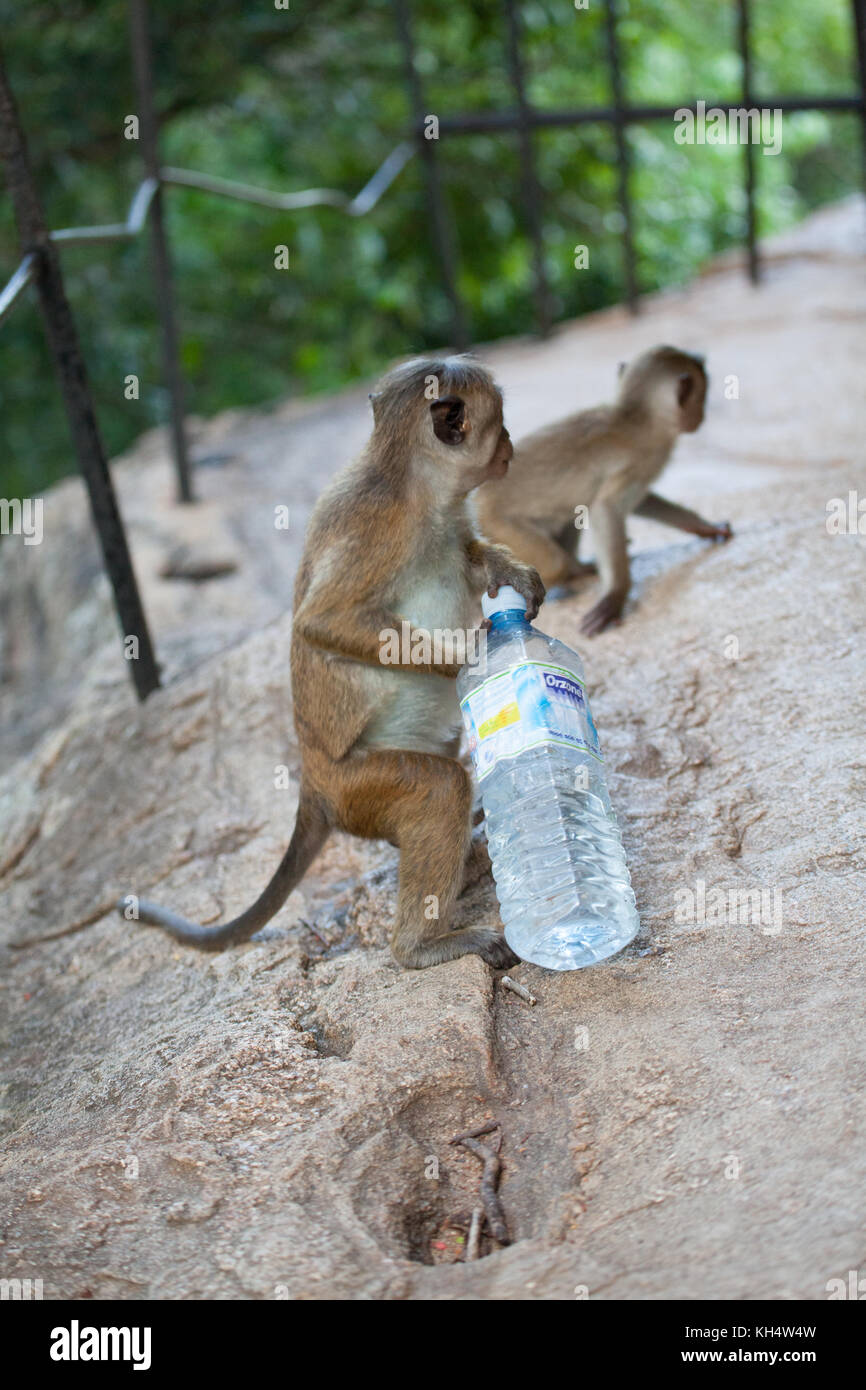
(684, 1121)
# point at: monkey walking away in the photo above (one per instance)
(391, 539)
(605, 460)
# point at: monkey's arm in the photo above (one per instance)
(671, 514)
(501, 566)
(354, 631)
(607, 521)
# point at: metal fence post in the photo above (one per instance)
(149, 134)
(532, 197)
(444, 235)
(860, 68)
(622, 155)
(72, 375)
(743, 35)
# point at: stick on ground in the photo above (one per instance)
(487, 1128)
(518, 989)
(473, 1244)
(489, 1195)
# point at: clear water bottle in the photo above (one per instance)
(561, 878)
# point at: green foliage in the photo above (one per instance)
(315, 96)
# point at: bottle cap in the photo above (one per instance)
(506, 600)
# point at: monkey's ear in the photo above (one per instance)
(449, 419)
(685, 388)
(373, 398)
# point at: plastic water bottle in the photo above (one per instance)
(561, 878)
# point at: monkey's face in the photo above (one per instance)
(691, 395)
(502, 456)
(472, 443)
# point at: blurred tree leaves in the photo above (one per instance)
(315, 96)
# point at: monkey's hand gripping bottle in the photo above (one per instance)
(561, 877)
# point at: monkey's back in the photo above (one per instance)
(330, 703)
(553, 468)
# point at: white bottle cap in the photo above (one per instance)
(506, 599)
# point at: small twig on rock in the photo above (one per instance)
(489, 1182)
(473, 1244)
(518, 989)
(487, 1128)
(311, 927)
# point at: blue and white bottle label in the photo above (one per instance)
(527, 706)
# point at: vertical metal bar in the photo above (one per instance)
(149, 135)
(444, 235)
(532, 198)
(72, 375)
(743, 26)
(860, 46)
(632, 291)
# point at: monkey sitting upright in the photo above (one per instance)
(604, 460)
(390, 540)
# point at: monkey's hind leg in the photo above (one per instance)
(569, 538)
(432, 873)
(422, 803)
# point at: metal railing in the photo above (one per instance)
(526, 119)
(40, 263)
(40, 266)
(139, 208)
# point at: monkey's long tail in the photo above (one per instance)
(312, 828)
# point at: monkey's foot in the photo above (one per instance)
(498, 953)
(715, 530)
(571, 580)
(608, 610)
(486, 942)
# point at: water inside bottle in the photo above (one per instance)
(561, 877)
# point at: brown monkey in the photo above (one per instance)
(391, 539)
(604, 459)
